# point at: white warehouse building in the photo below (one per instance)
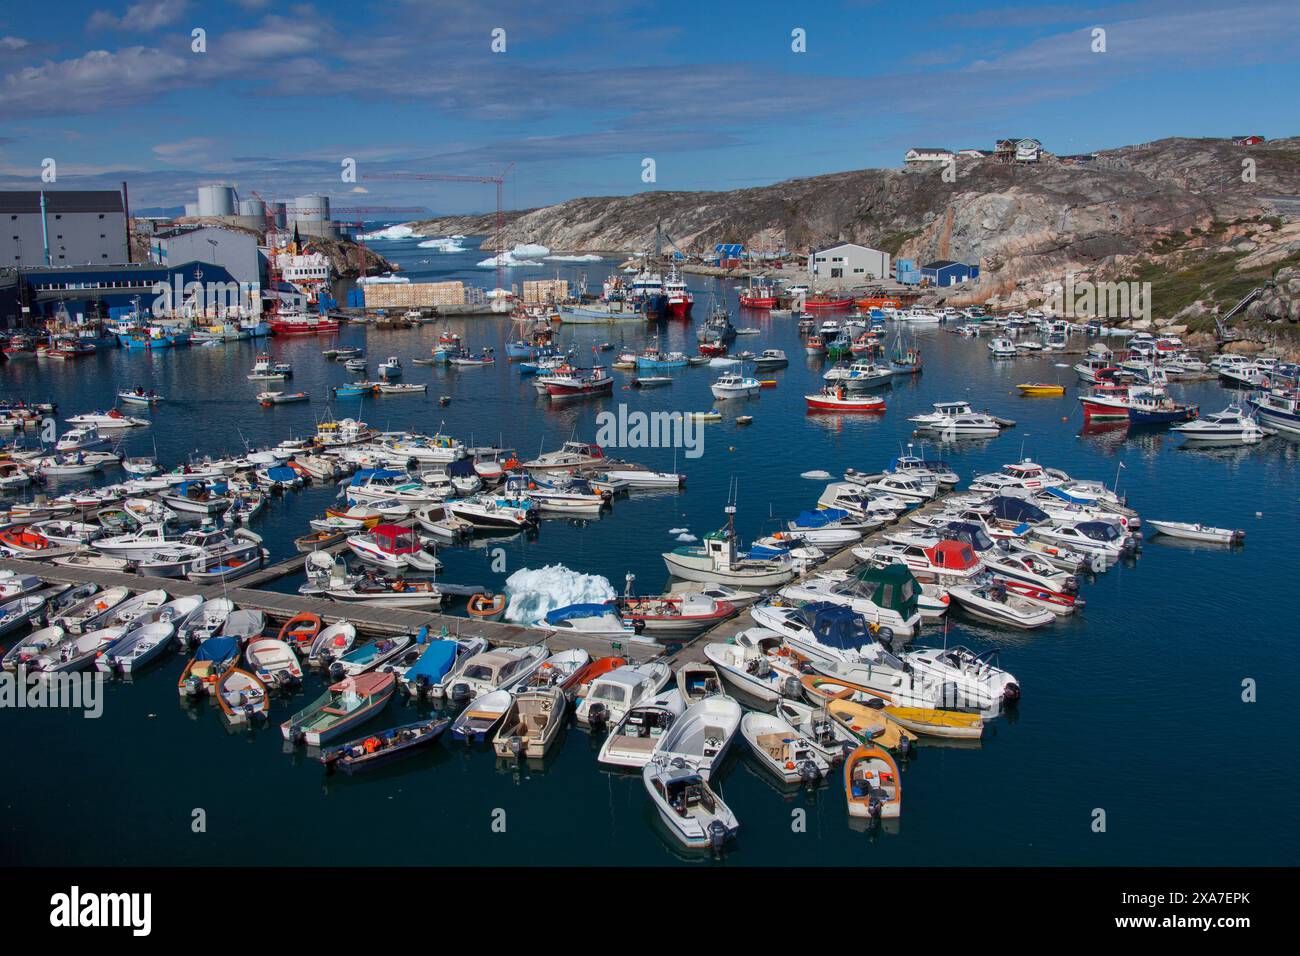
(848, 264)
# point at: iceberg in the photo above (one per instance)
(587, 258)
(529, 250)
(678, 530)
(818, 475)
(446, 244)
(380, 280)
(508, 260)
(391, 232)
(687, 538)
(535, 592)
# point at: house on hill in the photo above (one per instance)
(927, 154)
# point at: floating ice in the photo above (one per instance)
(534, 592)
(722, 362)
(587, 258)
(816, 475)
(380, 280)
(508, 260)
(446, 244)
(678, 530)
(529, 250)
(687, 538)
(391, 232)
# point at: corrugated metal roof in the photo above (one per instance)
(61, 201)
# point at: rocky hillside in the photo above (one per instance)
(1021, 222)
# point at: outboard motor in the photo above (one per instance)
(422, 685)
(516, 745)
(791, 687)
(874, 809)
(717, 835)
(1011, 692)
(336, 670)
(904, 746)
(460, 692)
(808, 771)
(597, 716)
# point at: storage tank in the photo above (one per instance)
(216, 199)
(279, 214)
(252, 207)
(191, 209)
(310, 209)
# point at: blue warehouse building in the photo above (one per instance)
(946, 272)
(906, 272)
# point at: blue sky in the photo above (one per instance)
(713, 93)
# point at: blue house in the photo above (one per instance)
(906, 272)
(946, 272)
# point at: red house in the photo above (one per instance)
(1247, 140)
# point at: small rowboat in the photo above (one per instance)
(652, 381)
(384, 747)
(1197, 532)
(398, 388)
(300, 631)
(319, 540)
(1041, 388)
(241, 696)
(870, 725)
(938, 723)
(713, 416)
(837, 400)
(486, 607)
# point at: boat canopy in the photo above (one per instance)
(217, 649)
(281, 473)
(435, 662)
(572, 611)
(820, 518)
(954, 555)
(364, 685)
(1018, 510)
(461, 468)
(394, 538)
(972, 534)
(894, 587)
(836, 625)
(366, 475)
(1098, 530)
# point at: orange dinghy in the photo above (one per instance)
(486, 607)
(872, 784)
(577, 684)
(300, 631)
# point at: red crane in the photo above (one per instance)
(498, 181)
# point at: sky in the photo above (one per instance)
(579, 95)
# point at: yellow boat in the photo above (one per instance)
(1041, 388)
(938, 723)
(869, 725)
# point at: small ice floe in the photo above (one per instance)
(817, 475)
(678, 530)
(686, 538)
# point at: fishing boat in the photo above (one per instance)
(735, 385)
(576, 383)
(481, 717)
(1197, 532)
(872, 784)
(392, 368)
(345, 705)
(770, 360)
(702, 735)
(717, 560)
(402, 388)
(1002, 348)
(1278, 408)
(837, 399)
(632, 741)
(1041, 389)
(242, 697)
(267, 399)
(693, 813)
(139, 396)
(531, 724)
(384, 747)
(267, 370)
(301, 324)
(782, 749)
(671, 615)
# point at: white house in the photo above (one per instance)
(927, 154)
(848, 264)
(1028, 151)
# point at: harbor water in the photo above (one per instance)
(1136, 713)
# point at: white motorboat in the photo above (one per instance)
(613, 694)
(266, 370)
(702, 735)
(141, 645)
(467, 648)
(998, 605)
(716, 560)
(82, 438)
(73, 618)
(140, 608)
(633, 740)
(76, 652)
(782, 749)
(886, 596)
(395, 548)
(107, 421)
(827, 736)
(979, 674)
(43, 641)
(500, 669)
(204, 621)
(1019, 478)
(1002, 348)
(1197, 532)
(602, 620)
(392, 368)
(1100, 538)
(693, 813)
(973, 425)
(756, 663)
(735, 385)
(1232, 426)
(274, 662)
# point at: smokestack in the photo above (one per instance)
(126, 208)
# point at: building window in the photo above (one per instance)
(101, 215)
(58, 216)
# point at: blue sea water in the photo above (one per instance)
(1134, 708)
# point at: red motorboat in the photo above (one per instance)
(821, 300)
(301, 325)
(713, 349)
(679, 297)
(758, 297)
(838, 400)
(579, 382)
(1106, 402)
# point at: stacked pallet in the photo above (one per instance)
(413, 295)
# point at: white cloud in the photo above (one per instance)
(148, 15)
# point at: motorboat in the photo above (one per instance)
(607, 697)
(702, 735)
(997, 604)
(345, 705)
(633, 739)
(385, 747)
(331, 643)
(531, 724)
(735, 385)
(34, 645)
(859, 375)
(716, 560)
(201, 497)
(1278, 409)
(110, 420)
(572, 456)
(266, 370)
(888, 596)
(673, 615)
(1002, 348)
(370, 657)
(770, 360)
(1100, 538)
(979, 673)
(395, 548)
(73, 618)
(602, 620)
(143, 607)
(1197, 532)
(755, 662)
(834, 398)
(391, 369)
(1018, 478)
(204, 621)
(140, 645)
(493, 670)
(944, 562)
(274, 662)
(1231, 426)
(481, 716)
(692, 812)
(782, 749)
(75, 652)
(813, 723)
(873, 786)
(82, 438)
(213, 658)
(970, 425)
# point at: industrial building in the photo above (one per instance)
(848, 264)
(906, 271)
(233, 249)
(946, 272)
(55, 227)
(220, 201)
(94, 292)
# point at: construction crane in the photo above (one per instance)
(499, 181)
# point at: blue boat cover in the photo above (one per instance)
(819, 518)
(281, 473)
(836, 625)
(572, 611)
(217, 649)
(216, 487)
(435, 662)
(1017, 509)
(461, 468)
(761, 552)
(365, 474)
